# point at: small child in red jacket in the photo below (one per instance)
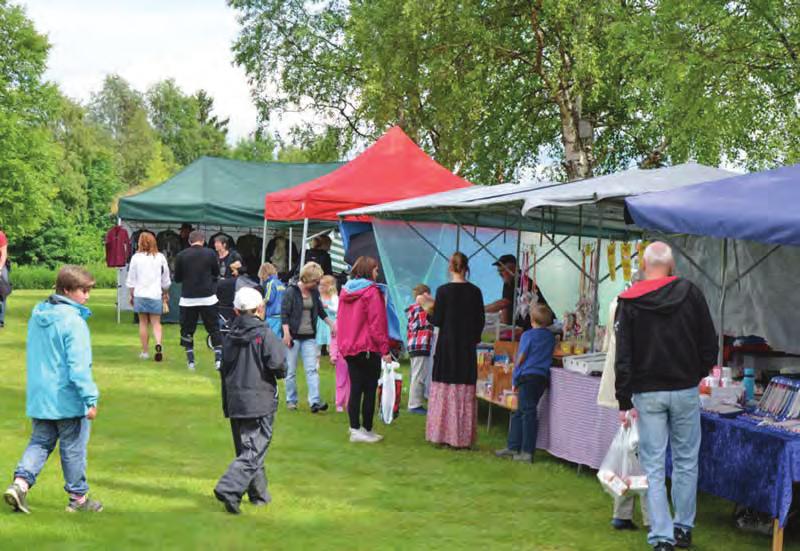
(420, 337)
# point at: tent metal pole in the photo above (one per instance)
(724, 292)
(458, 237)
(596, 297)
(755, 265)
(264, 242)
(303, 246)
(516, 283)
(550, 251)
(119, 288)
(426, 240)
(684, 254)
(291, 244)
(568, 257)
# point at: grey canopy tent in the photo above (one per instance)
(587, 208)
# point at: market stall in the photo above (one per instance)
(752, 220)
(213, 194)
(392, 168)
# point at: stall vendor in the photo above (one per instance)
(507, 270)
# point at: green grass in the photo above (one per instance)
(42, 277)
(160, 442)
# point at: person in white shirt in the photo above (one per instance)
(148, 281)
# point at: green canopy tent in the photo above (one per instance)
(215, 192)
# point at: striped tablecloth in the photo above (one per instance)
(571, 424)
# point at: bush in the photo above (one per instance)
(41, 277)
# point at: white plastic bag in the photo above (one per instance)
(621, 473)
(388, 376)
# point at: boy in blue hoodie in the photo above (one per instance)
(61, 395)
(530, 379)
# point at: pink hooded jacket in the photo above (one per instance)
(361, 324)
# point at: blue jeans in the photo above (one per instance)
(524, 422)
(2, 310)
(669, 417)
(73, 438)
(308, 349)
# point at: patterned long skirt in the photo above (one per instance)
(452, 415)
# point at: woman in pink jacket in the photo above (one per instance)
(363, 338)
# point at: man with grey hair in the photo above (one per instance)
(666, 343)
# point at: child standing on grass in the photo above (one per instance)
(61, 395)
(530, 379)
(253, 359)
(420, 337)
(273, 296)
(330, 301)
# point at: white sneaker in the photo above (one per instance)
(359, 435)
(191, 366)
(373, 436)
(218, 365)
(144, 356)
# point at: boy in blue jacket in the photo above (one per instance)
(530, 379)
(61, 395)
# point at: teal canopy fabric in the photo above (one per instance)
(218, 191)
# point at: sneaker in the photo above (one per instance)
(523, 457)
(191, 366)
(359, 435)
(623, 524)
(683, 538)
(506, 453)
(231, 506)
(339, 409)
(85, 506)
(217, 364)
(418, 411)
(144, 356)
(315, 408)
(291, 406)
(663, 546)
(16, 498)
(374, 436)
(159, 353)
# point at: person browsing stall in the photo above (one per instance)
(230, 262)
(666, 343)
(530, 379)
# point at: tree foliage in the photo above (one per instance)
(491, 88)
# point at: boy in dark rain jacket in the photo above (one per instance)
(253, 359)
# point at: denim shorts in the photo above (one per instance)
(147, 306)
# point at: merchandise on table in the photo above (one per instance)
(586, 364)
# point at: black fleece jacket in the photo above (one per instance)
(252, 360)
(665, 338)
(197, 269)
(292, 309)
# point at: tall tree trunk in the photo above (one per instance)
(577, 137)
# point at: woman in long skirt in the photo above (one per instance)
(458, 313)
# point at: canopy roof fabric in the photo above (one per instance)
(392, 168)
(569, 208)
(218, 191)
(758, 207)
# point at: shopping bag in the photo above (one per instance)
(620, 472)
(388, 391)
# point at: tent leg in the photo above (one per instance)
(291, 241)
(724, 292)
(264, 242)
(119, 287)
(303, 245)
(516, 284)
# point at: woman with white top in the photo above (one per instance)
(148, 281)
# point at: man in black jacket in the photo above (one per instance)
(666, 343)
(253, 360)
(197, 270)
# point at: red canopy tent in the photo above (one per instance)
(391, 169)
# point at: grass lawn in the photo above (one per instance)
(160, 442)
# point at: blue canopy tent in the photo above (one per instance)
(759, 207)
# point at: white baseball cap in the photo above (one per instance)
(247, 298)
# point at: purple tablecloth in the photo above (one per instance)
(571, 424)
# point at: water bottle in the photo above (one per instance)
(749, 383)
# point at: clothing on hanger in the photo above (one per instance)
(117, 247)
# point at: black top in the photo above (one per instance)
(665, 338)
(252, 360)
(292, 310)
(225, 263)
(458, 314)
(523, 318)
(196, 268)
(323, 258)
(226, 291)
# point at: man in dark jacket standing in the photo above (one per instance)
(666, 343)
(197, 270)
(253, 360)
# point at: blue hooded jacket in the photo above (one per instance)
(59, 358)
